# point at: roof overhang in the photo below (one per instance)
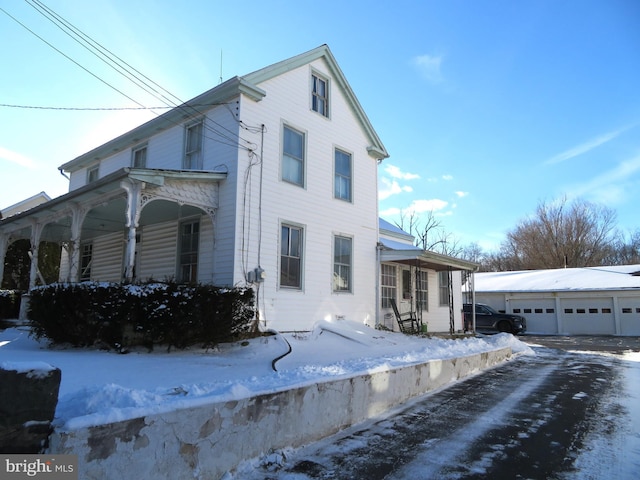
(110, 186)
(427, 259)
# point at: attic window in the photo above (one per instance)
(320, 95)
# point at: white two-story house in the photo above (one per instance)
(268, 180)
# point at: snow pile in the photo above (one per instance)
(100, 387)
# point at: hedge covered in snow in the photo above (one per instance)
(9, 304)
(119, 316)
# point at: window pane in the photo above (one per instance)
(342, 264)
(342, 175)
(293, 157)
(290, 257)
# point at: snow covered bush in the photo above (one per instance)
(120, 316)
(9, 304)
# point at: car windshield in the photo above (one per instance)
(487, 309)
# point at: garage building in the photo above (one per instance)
(574, 301)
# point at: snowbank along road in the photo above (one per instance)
(571, 411)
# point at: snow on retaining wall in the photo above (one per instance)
(209, 440)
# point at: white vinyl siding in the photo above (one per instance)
(108, 257)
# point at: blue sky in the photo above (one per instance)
(486, 107)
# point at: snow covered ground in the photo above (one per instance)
(100, 387)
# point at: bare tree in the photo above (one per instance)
(560, 235)
(430, 235)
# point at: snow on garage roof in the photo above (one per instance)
(622, 277)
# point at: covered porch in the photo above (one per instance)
(422, 283)
(98, 226)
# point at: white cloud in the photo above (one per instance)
(390, 212)
(432, 205)
(17, 158)
(395, 172)
(391, 187)
(447, 177)
(461, 194)
(610, 187)
(584, 147)
(429, 67)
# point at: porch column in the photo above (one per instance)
(36, 232)
(77, 218)
(4, 244)
(134, 192)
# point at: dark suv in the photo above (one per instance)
(487, 319)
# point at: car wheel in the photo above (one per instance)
(504, 327)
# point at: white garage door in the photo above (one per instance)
(540, 313)
(587, 316)
(629, 316)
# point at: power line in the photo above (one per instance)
(44, 107)
(116, 63)
(126, 70)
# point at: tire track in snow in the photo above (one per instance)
(437, 455)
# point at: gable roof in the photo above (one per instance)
(247, 85)
(376, 149)
(622, 277)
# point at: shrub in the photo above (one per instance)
(120, 316)
(9, 304)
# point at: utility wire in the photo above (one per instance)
(44, 107)
(126, 70)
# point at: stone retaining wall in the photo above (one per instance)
(206, 441)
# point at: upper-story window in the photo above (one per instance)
(293, 156)
(342, 181)
(139, 157)
(193, 147)
(92, 173)
(319, 95)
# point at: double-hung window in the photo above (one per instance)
(422, 289)
(319, 95)
(139, 157)
(388, 283)
(444, 279)
(342, 180)
(342, 263)
(86, 257)
(193, 147)
(189, 242)
(291, 256)
(293, 156)
(92, 173)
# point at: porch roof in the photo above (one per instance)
(108, 186)
(398, 252)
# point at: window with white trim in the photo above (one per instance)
(320, 95)
(86, 257)
(293, 156)
(422, 289)
(342, 263)
(189, 243)
(443, 286)
(342, 172)
(139, 157)
(193, 147)
(291, 256)
(388, 283)
(93, 173)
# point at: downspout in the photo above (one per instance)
(64, 174)
(473, 300)
(378, 257)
